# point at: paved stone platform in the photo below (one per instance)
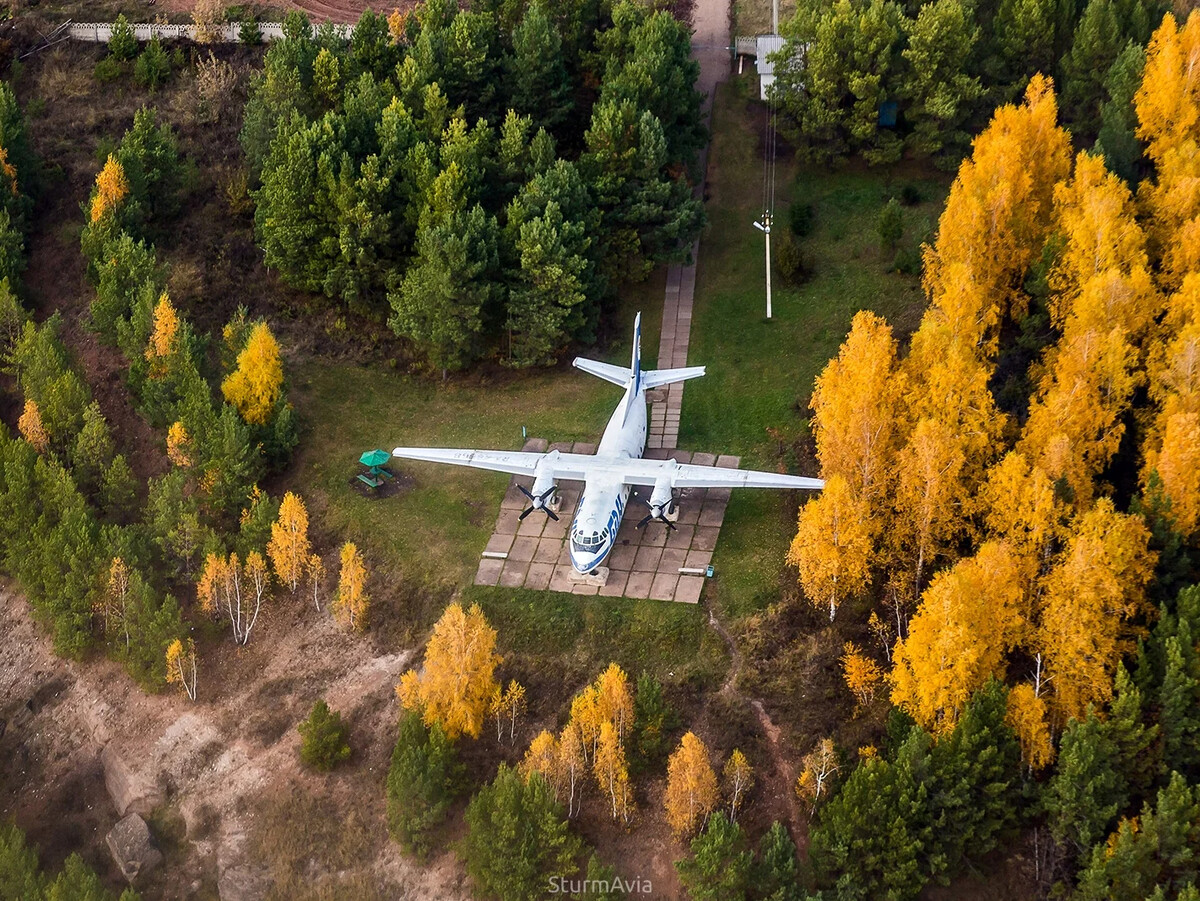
(645, 562)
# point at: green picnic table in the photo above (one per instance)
(375, 475)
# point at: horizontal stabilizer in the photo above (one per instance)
(618, 375)
(656, 377)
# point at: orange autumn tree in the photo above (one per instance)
(862, 674)
(1168, 112)
(1075, 420)
(832, 547)
(289, 546)
(932, 498)
(1177, 463)
(351, 603)
(1096, 587)
(457, 682)
(1169, 446)
(853, 403)
(31, 428)
(967, 621)
(162, 338)
(1027, 716)
(112, 187)
(691, 791)
(996, 217)
(257, 384)
(1102, 272)
(1022, 510)
(178, 445)
(181, 666)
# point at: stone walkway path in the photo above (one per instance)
(710, 42)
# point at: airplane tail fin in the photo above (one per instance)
(634, 376)
(635, 365)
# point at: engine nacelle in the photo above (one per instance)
(662, 500)
(542, 482)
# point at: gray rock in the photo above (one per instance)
(130, 791)
(132, 847)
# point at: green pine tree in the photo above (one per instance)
(536, 77)
(1087, 790)
(325, 741)
(777, 871)
(441, 301)
(1156, 851)
(1098, 42)
(719, 866)
(517, 838)
(424, 778)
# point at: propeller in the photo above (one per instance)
(657, 514)
(538, 502)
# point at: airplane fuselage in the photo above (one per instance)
(602, 503)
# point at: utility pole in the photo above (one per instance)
(774, 16)
(765, 228)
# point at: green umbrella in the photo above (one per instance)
(374, 458)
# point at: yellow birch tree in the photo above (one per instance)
(691, 791)
(289, 546)
(257, 383)
(181, 666)
(31, 428)
(458, 680)
(967, 621)
(1091, 594)
(352, 602)
(832, 548)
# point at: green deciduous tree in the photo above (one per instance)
(939, 88)
(830, 92)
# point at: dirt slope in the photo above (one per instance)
(218, 763)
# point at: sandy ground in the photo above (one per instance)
(211, 760)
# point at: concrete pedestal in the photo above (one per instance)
(599, 578)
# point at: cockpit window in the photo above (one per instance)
(588, 542)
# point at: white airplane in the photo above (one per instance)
(615, 468)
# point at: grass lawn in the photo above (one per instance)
(760, 372)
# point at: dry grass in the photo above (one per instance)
(311, 848)
(61, 78)
(751, 17)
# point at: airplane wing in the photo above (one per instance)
(519, 463)
(627, 470)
